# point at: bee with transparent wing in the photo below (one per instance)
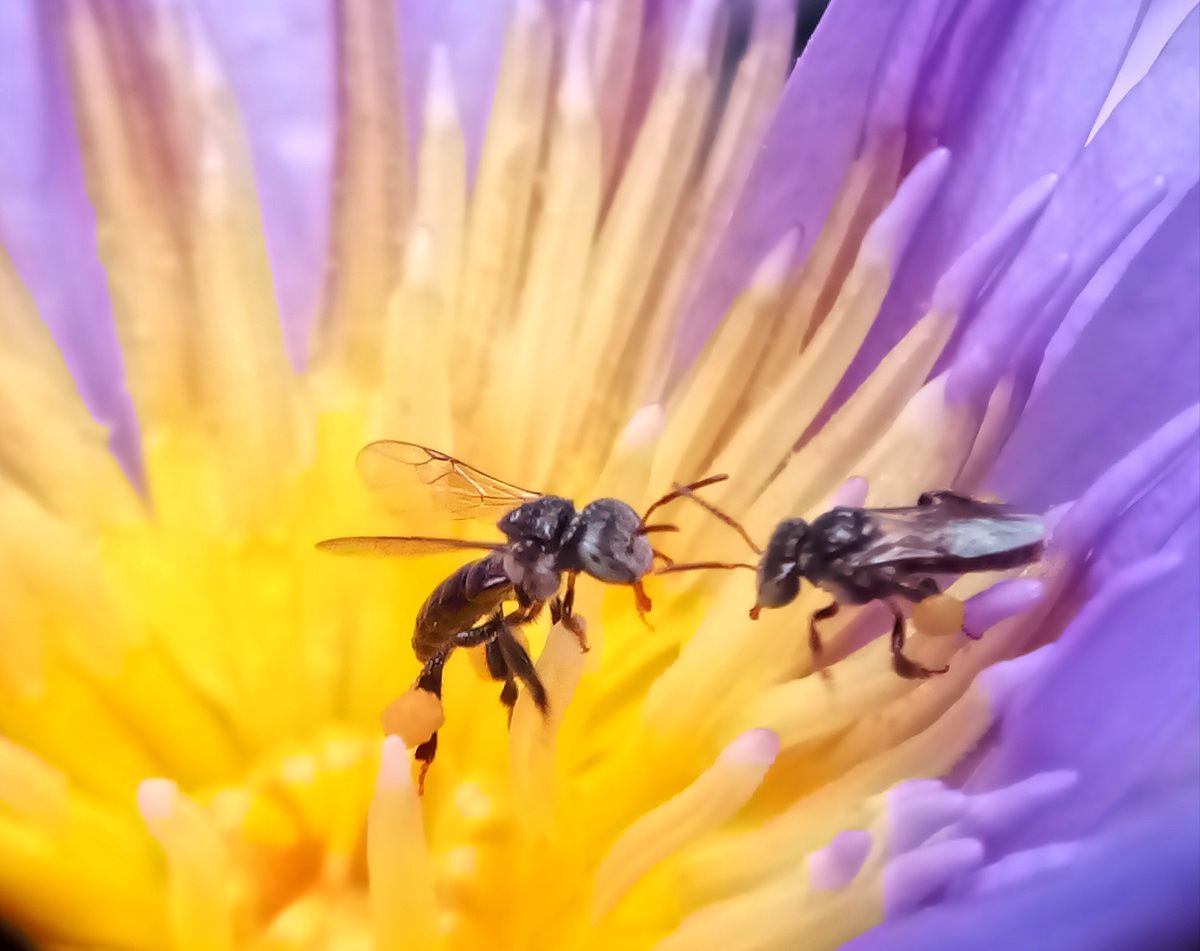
(545, 538)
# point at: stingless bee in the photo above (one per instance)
(860, 555)
(546, 537)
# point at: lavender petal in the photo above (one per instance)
(1137, 887)
(1135, 364)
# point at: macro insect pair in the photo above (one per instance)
(857, 555)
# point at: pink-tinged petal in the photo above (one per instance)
(46, 221)
(473, 32)
(278, 58)
(1135, 364)
(1005, 131)
(835, 866)
(1137, 887)
(804, 157)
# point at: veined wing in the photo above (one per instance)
(395, 545)
(960, 529)
(392, 469)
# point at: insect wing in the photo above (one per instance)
(393, 469)
(395, 545)
(962, 531)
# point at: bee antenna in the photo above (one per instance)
(722, 517)
(648, 529)
(675, 568)
(677, 492)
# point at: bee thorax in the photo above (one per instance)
(537, 577)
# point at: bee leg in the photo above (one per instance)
(814, 637)
(429, 679)
(498, 668)
(519, 662)
(527, 609)
(572, 623)
(908, 669)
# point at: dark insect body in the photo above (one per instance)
(546, 537)
(859, 555)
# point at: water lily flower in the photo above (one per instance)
(597, 249)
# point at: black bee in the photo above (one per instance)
(546, 537)
(860, 555)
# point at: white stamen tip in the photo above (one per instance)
(851, 493)
(156, 799)
(644, 426)
(916, 876)
(393, 765)
(835, 866)
(441, 106)
(697, 31)
(757, 747)
(575, 93)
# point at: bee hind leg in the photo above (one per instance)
(908, 669)
(518, 661)
(430, 679)
(498, 668)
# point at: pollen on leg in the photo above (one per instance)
(938, 616)
(414, 716)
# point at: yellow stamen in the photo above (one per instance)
(715, 796)
(441, 196)
(200, 891)
(403, 910)
(496, 246)
(371, 178)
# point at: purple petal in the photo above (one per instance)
(1039, 72)
(473, 33)
(1120, 705)
(1136, 363)
(280, 60)
(46, 222)
(1137, 887)
(805, 155)
(1141, 164)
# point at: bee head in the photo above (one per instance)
(608, 542)
(783, 564)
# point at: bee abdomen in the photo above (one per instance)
(459, 602)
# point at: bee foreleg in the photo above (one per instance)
(566, 614)
(906, 668)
